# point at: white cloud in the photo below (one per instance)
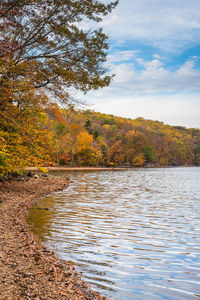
(169, 24)
(120, 56)
(154, 77)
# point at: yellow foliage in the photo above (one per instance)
(131, 132)
(44, 170)
(106, 127)
(84, 141)
(86, 153)
(164, 161)
(139, 160)
(27, 139)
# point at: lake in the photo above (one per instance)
(133, 234)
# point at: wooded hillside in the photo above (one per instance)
(91, 138)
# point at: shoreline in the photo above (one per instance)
(66, 168)
(28, 269)
(58, 168)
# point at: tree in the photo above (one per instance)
(134, 144)
(86, 153)
(26, 139)
(139, 160)
(101, 142)
(149, 153)
(116, 153)
(48, 36)
(67, 144)
(197, 155)
(44, 51)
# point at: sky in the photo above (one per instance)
(155, 56)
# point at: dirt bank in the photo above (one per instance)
(27, 269)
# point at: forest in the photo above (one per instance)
(43, 54)
(88, 138)
(77, 137)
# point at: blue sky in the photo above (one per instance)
(155, 54)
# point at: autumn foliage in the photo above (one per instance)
(43, 53)
(91, 138)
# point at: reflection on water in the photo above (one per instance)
(134, 234)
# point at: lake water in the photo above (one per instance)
(133, 234)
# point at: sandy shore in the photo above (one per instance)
(27, 269)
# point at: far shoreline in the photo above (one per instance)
(66, 168)
(122, 168)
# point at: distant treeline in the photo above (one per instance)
(71, 137)
(89, 138)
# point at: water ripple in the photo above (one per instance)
(133, 234)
